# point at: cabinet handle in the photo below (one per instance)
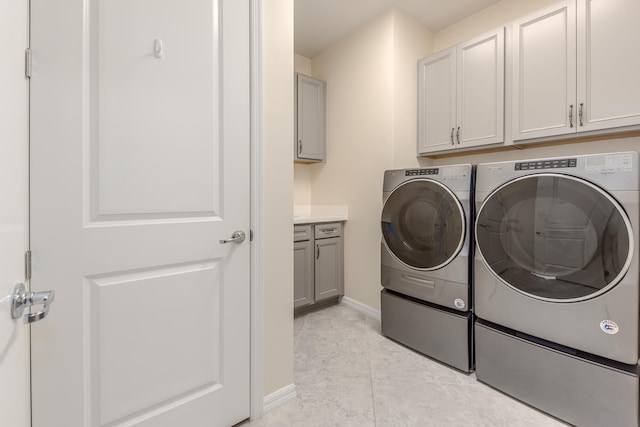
(299, 146)
(571, 115)
(328, 230)
(452, 130)
(580, 113)
(317, 251)
(458, 134)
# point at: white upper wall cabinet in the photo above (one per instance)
(544, 69)
(573, 70)
(461, 95)
(437, 101)
(608, 64)
(481, 90)
(310, 143)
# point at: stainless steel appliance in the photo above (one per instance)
(425, 261)
(556, 284)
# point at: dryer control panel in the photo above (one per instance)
(546, 164)
(421, 172)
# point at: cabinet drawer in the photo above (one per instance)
(301, 233)
(330, 229)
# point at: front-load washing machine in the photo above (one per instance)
(425, 261)
(556, 284)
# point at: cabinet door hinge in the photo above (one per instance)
(27, 63)
(27, 265)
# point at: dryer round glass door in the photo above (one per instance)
(423, 224)
(554, 237)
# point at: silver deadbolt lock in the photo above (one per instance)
(22, 299)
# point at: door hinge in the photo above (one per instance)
(27, 265)
(27, 63)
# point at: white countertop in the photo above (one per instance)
(311, 214)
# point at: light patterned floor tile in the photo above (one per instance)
(348, 374)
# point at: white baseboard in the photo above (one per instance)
(279, 398)
(362, 308)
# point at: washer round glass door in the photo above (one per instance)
(423, 224)
(554, 237)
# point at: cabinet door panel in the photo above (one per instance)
(329, 266)
(608, 63)
(544, 69)
(303, 264)
(437, 101)
(481, 90)
(310, 144)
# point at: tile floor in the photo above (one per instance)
(348, 374)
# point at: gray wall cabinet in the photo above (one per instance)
(318, 263)
(310, 121)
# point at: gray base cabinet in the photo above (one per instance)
(303, 269)
(328, 274)
(318, 263)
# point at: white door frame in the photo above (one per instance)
(14, 333)
(257, 216)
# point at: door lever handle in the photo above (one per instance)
(22, 299)
(236, 237)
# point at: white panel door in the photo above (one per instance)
(14, 334)
(437, 102)
(140, 166)
(481, 90)
(544, 70)
(608, 64)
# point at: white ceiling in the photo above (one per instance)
(321, 23)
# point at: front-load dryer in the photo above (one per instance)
(557, 250)
(425, 260)
(556, 285)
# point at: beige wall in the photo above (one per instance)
(485, 20)
(359, 76)
(411, 41)
(301, 184)
(302, 64)
(277, 104)
(371, 127)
